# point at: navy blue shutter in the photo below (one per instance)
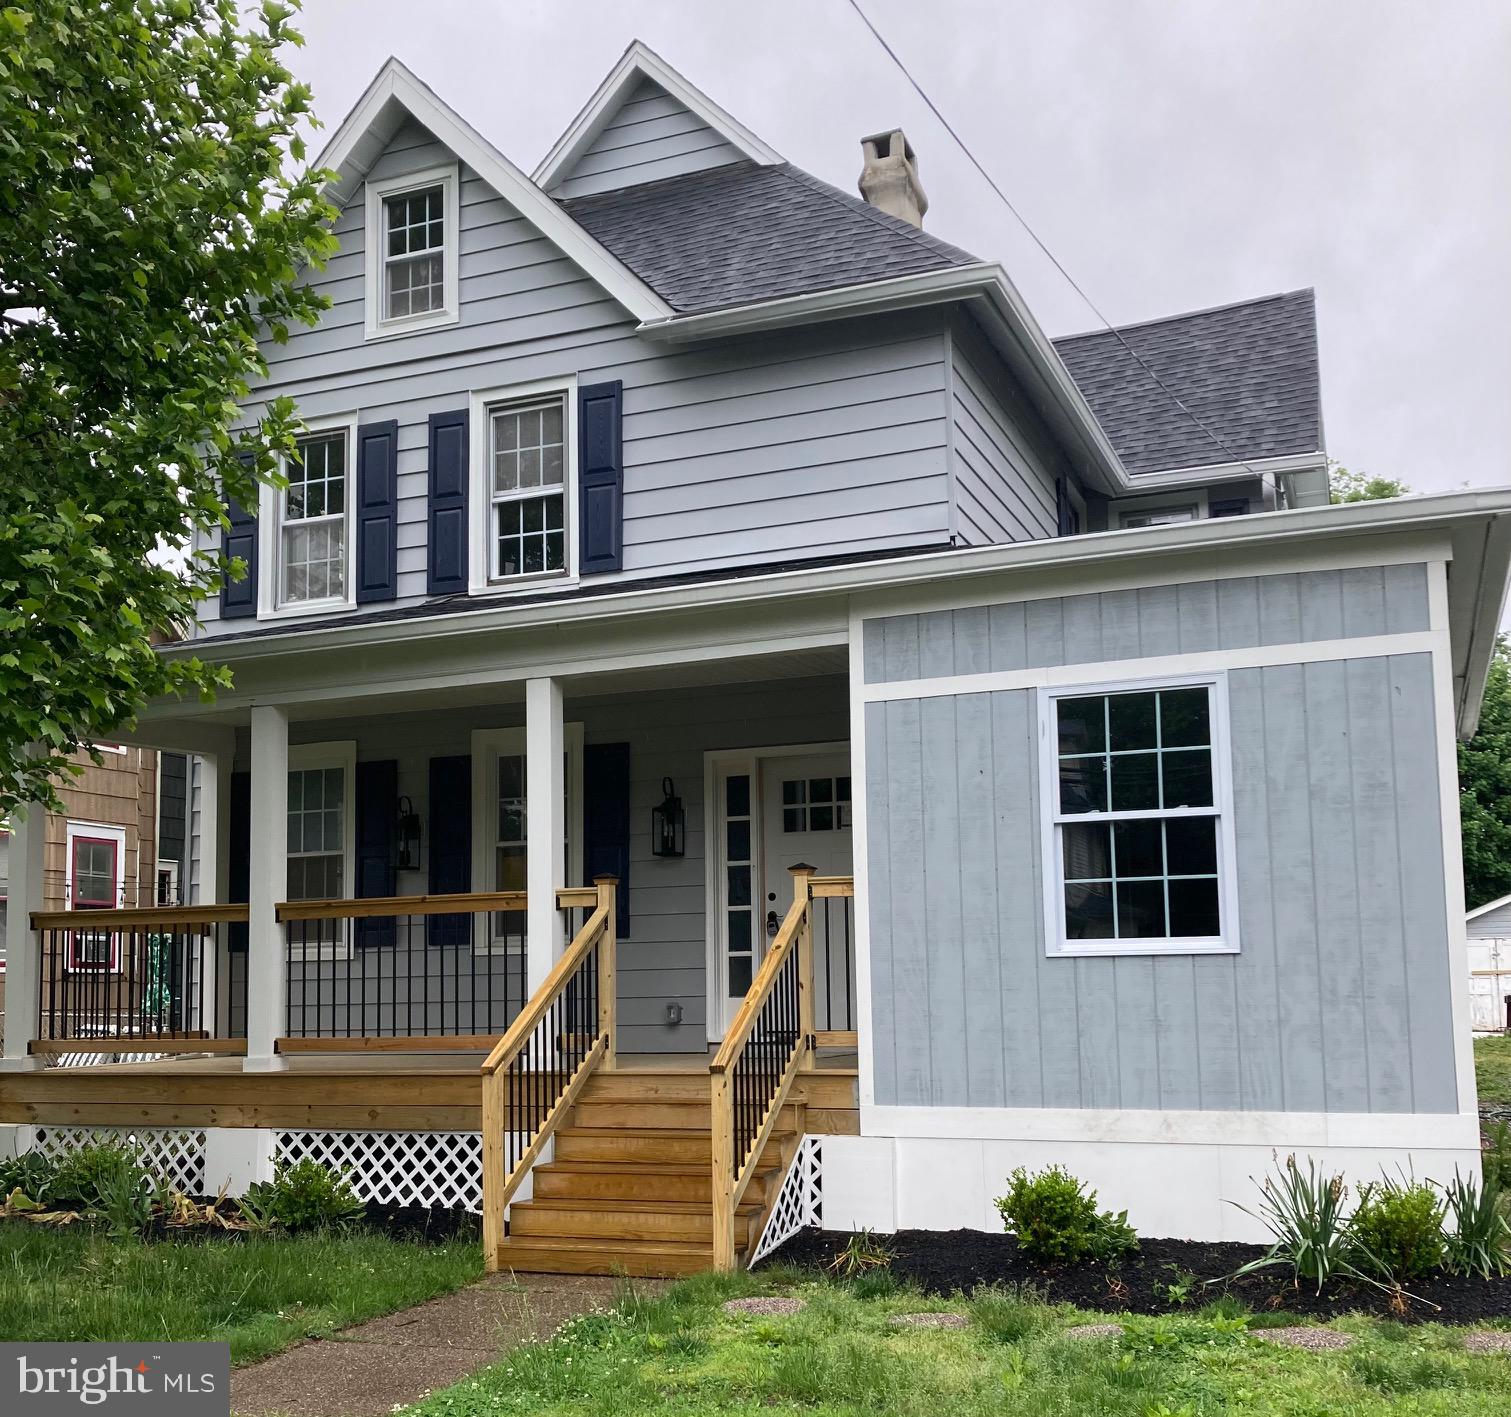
(238, 599)
(377, 845)
(450, 799)
(600, 476)
(606, 820)
(447, 569)
(1067, 519)
(377, 511)
(239, 843)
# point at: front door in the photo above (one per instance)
(785, 811)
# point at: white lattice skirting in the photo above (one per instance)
(396, 1168)
(800, 1202)
(176, 1154)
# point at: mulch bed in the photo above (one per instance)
(944, 1262)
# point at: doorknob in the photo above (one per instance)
(772, 924)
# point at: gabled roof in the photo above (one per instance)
(395, 93)
(1487, 907)
(743, 233)
(637, 64)
(1248, 371)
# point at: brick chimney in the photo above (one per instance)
(889, 179)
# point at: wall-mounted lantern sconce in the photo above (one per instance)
(669, 823)
(409, 836)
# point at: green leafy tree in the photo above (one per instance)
(1485, 789)
(156, 209)
(1347, 486)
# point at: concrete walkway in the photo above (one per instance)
(369, 1370)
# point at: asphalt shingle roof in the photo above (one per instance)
(745, 232)
(1247, 371)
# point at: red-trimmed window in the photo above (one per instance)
(93, 885)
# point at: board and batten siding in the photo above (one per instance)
(1003, 461)
(740, 452)
(664, 958)
(1339, 999)
(1297, 607)
(651, 136)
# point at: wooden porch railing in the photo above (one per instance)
(532, 1077)
(159, 979)
(767, 1045)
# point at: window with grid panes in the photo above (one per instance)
(527, 455)
(1138, 818)
(313, 530)
(414, 257)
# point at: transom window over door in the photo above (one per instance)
(528, 460)
(312, 544)
(1139, 841)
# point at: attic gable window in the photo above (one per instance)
(412, 252)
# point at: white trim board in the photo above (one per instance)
(639, 62)
(1175, 1128)
(1155, 668)
(374, 119)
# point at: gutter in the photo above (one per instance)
(1211, 537)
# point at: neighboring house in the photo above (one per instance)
(1489, 932)
(673, 517)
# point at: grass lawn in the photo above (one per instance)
(1492, 1069)
(259, 1294)
(679, 1354)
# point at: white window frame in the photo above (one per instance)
(481, 576)
(1130, 514)
(447, 177)
(98, 831)
(1051, 820)
(270, 543)
(339, 753)
(488, 744)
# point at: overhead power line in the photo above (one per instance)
(1034, 236)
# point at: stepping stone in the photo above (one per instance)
(1316, 1339)
(1094, 1331)
(1488, 1340)
(764, 1306)
(941, 1320)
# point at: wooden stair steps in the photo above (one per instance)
(624, 1220)
(616, 1181)
(566, 1255)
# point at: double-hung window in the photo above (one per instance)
(313, 517)
(96, 881)
(321, 840)
(1138, 827)
(527, 462)
(412, 278)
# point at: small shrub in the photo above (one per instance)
(1479, 1238)
(1056, 1218)
(1305, 1212)
(31, 1173)
(1398, 1225)
(304, 1196)
(863, 1253)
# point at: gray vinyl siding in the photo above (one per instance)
(1492, 925)
(651, 136)
(663, 960)
(745, 451)
(1002, 459)
(1295, 607)
(1339, 1000)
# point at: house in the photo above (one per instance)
(729, 718)
(100, 852)
(1488, 930)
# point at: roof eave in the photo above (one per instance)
(993, 297)
(376, 116)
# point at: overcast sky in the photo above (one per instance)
(1173, 154)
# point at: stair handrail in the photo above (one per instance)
(539, 1088)
(789, 961)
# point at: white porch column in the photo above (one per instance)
(23, 951)
(545, 826)
(267, 978)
